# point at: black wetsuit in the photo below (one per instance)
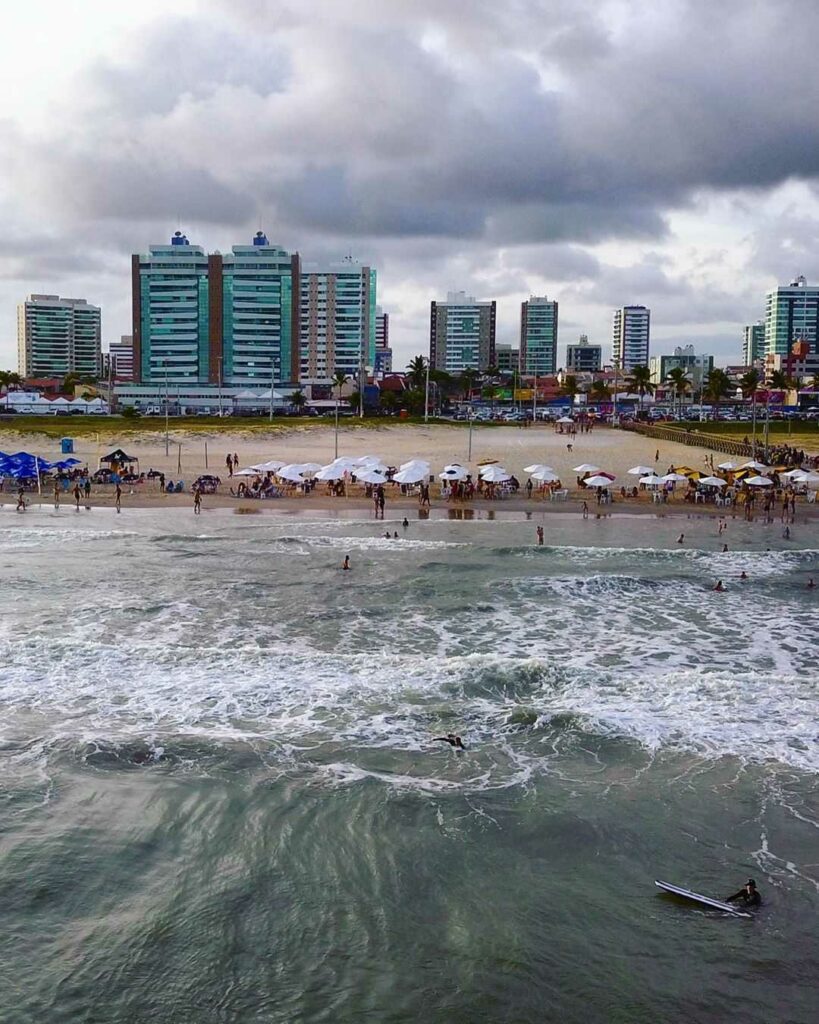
(452, 740)
(752, 899)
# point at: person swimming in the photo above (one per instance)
(719, 587)
(405, 524)
(811, 585)
(452, 740)
(748, 895)
(743, 575)
(681, 538)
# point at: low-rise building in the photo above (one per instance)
(583, 357)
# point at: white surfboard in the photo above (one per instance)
(706, 901)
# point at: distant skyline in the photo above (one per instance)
(599, 153)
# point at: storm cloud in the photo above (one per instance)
(500, 146)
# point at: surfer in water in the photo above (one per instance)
(452, 740)
(748, 895)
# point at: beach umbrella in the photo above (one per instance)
(811, 479)
(310, 467)
(413, 463)
(369, 476)
(268, 467)
(728, 465)
(538, 467)
(293, 473)
(759, 481)
(411, 475)
(453, 473)
(760, 467)
(598, 481)
(587, 467)
(675, 478)
(495, 475)
(713, 481)
(565, 419)
(250, 471)
(641, 471)
(483, 469)
(331, 472)
(368, 460)
(652, 480)
(545, 476)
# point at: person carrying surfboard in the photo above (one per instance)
(748, 895)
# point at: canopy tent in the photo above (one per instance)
(119, 456)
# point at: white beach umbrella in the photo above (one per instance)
(811, 479)
(728, 465)
(759, 481)
(641, 471)
(483, 470)
(310, 467)
(269, 467)
(760, 467)
(414, 462)
(598, 481)
(247, 472)
(293, 473)
(676, 478)
(453, 473)
(369, 476)
(587, 467)
(713, 481)
(411, 475)
(538, 467)
(545, 476)
(495, 475)
(331, 473)
(652, 480)
(565, 419)
(368, 460)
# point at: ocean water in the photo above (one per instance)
(221, 799)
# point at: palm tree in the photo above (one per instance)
(680, 384)
(599, 391)
(417, 372)
(467, 379)
(339, 380)
(298, 399)
(9, 379)
(717, 387)
(641, 382)
(388, 401)
(780, 381)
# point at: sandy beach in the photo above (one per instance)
(614, 451)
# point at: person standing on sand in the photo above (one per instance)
(118, 498)
(228, 463)
(235, 461)
(87, 487)
(657, 455)
(56, 494)
(197, 501)
(424, 496)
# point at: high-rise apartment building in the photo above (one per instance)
(791, 314)
(120, 359)
(58, 336)
(630, 340)
(338, 322)
(538, 336)
(203, 318)
(169, 300)
(753, 343)
(583, 357)
(383, 352)
(253, 320)
(461, 333)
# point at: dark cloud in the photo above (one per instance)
(487, 144)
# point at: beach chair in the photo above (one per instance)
(811, 497)
(180, 487)
(562, 494)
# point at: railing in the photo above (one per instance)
(692, 437)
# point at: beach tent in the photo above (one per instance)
(119, 456)
(331, 472)
(453, 473)
(310, 467)
(587, 467)
(370, 476)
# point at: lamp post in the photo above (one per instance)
(534, 400)
(272, 381)
(166, 409)
(426, 396)
(469, 452)
(220, 386)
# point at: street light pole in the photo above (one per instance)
(469, 453)
(534, 400)
(426, 396)
(166, 409)
(272, 381)
(220, 386)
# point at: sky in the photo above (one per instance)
(601, 153)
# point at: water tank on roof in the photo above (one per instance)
(260, 238)
(179, 239)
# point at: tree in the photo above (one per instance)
(570, 386)
(389, 401)
(467, 380)
(640, 381)
(298, 400)
(414, 400)
(780, 380)
(9, 379)
(417, 372)
(680, 384)
(599, 391)
(491, 392)
(717, 387)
